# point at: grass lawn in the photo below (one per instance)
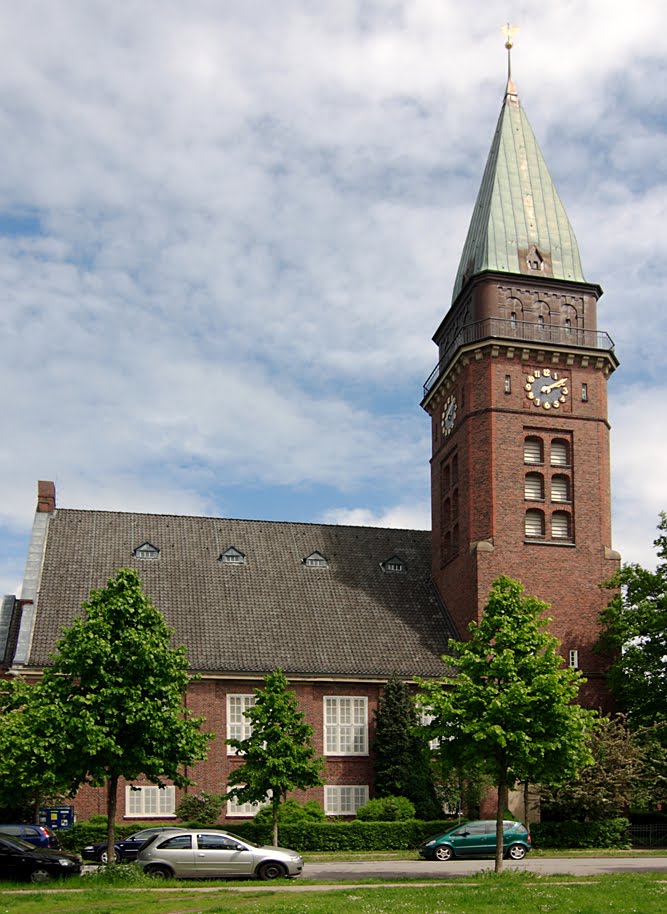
(510, 893)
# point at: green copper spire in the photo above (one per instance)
(519, 224)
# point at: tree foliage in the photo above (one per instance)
(278, 756)
(635, 629)
(201, 807)
(111, 704)
(509, 711)
(623, 775)
(27, 774)
(386, 809)
(402, 763)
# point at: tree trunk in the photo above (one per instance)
(112, 803)
(275, 822)
(503, 792)
(526, 802)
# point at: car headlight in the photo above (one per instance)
(429, 844)
(63, 861)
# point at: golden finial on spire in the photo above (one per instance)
(509, 31)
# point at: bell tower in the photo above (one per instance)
(520, 469)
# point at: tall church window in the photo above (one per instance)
(534, 523)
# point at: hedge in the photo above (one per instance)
(406, 834)
(571, 835)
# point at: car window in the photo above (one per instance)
(215, 842)
(17, 843)
(12, 830)
(182, 842)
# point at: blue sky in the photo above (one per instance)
(228, 232)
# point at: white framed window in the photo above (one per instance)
(574, 659)
(344, 800)
(560, 525)
(534, 523)
(238, 725)
(584, 392)
(235, 808)
(559, 453)
(508, 384)
(560, 488)
(534, 487)
(150, 801)
(345, 725)
(533, 450)
(427, 717)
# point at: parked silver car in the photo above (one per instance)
(196, 853)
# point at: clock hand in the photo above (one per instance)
(547, 388)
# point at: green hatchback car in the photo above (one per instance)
(478, 839)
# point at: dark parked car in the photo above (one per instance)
(126, 848)
(478, 839)
(39, 835)
(20, 860)
(202, 853)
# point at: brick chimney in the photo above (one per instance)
(46, 497)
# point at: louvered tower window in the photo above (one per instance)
(559, 453)
(560, 525)
(534, 487)
(533, 450)
(560, 489)
(534, 523)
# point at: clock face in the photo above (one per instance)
(546, 389)
(448, 415)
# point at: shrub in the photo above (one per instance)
(386, 809)
(291, 812)
(203, 807)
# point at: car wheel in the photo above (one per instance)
(158, 871)
(40, 875)
(271, 870)
(516, 852)
(444, 852)
(103, 857)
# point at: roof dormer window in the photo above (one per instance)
(232, 556)
(146, 551)
(394, 565)
(315, 560)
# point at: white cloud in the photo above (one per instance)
(227, 233)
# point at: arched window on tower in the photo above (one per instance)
(560, 526)
(534, 487)
(560, 489)
(560, 456)
(534, 524)
(533, 450)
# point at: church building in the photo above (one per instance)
(520, 485)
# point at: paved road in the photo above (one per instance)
(456, 869)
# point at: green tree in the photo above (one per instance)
(509, 711)
(635, 630)
(402, 759)
(621, 776)
(27, 775)
(278, 756)
(111, 702)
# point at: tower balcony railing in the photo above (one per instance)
(520, 332)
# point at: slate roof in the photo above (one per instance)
(351, 618)
(517, 206)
